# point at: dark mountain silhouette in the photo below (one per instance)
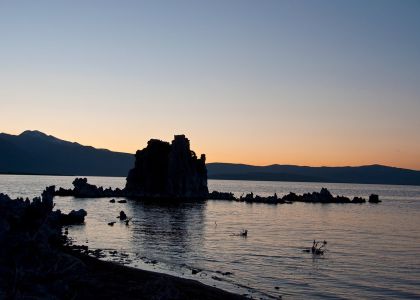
(374, 174)
(33, 152)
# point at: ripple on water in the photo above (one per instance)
(372, 249)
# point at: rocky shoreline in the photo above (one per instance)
(324, 196)
(36, 261)
(172, 171)
(109, 280)
(82, 189)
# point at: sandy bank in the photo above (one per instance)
(108, 280)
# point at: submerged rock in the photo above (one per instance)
(164, 170)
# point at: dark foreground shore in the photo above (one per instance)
(108, 280)
(37, 262)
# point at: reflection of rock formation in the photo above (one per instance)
(168, 170)
(177, 225)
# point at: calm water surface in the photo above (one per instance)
(373, 250)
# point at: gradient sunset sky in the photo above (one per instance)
(259, 82)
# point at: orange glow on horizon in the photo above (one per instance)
(261, 85)
(262, 155)
(314, 151)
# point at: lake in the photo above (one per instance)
(373, 250)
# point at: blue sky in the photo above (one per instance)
(303, 82)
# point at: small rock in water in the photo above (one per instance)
(122, 216)
(216, 278)
(224, 273)
(97, 253)
(111, 223)
(373, 198)
(112, 201)
(73, 218)
(122, 201)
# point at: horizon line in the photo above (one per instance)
(220, 162)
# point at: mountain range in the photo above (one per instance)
(34, 152)
(373, 174)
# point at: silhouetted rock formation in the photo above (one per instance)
(75, 217)
(250, 198)
(215, 195)
(37, 263)
(83, 189)
(31, 266)
(86, 190)
(164, 170)
(161, 170)
(324, 196)
(373, 198)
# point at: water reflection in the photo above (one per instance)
(167, 229)
(373, 249)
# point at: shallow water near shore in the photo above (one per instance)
(373, 250)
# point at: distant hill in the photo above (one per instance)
(374, 174)
(33, 152)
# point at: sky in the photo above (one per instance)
(318, 83)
